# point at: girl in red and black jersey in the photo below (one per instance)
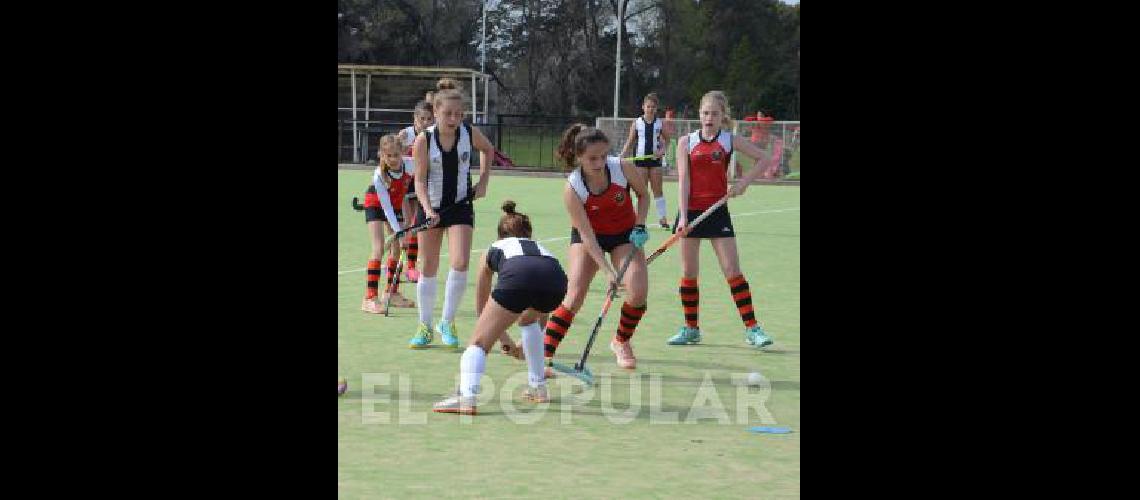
(597, 196)
(383, 203)
(702, 168)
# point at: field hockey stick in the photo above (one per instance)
(682, 233)
(640, 158)
(410, 230)
(395, 281)
(579, 371)
(413, 229)
(356, 204)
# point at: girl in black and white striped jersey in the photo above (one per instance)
(531, 283)
(443, 154)
(649, 135)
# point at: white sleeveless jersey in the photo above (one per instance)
(649, 140)
(617, 176)
(408, 134)
(449, 174)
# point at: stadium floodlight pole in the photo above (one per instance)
(617, 59)
(483, 56)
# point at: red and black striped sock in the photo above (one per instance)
(390, 271)
(413, 251)
(630, 317)
(556, 328)
(690, 301)
(743, 297)
(373, 280)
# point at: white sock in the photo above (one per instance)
(470, 370)
(532, 337)
(456, 285)
(425, 292)
(660, 206)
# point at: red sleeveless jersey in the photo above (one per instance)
(397, 188)
(708, 169)
(610, 212)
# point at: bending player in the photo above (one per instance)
(531, 282)
(382, 200)
(603, 221)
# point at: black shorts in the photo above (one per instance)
(517, 301)
(462, 214)
(608, 242)
(648, 163)
(377, 214)
(717, 225)
(373, 211)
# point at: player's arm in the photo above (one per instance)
(638, 182)
(630, 139)
(486, 155)
(420, 154)
(581, 222)
(482, 285)
(385, 201)
(683, 181)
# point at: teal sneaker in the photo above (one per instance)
(422, 338)
(687, 335)
(756, 337)
(447, 334)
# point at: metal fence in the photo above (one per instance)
(531, 141)
(763, 134)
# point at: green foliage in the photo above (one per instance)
(557, 56)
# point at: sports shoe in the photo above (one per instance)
(687, 335)
(370, 306)
(422, 338)
(664, 223)
(536, 395)
(624, 353)
(756, 336)
(456, 404)
(398, 300)
(412, 275)
(447, 334)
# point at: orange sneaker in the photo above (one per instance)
(413, 275)
(370, 306)
(456, 404)
(624, 353)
